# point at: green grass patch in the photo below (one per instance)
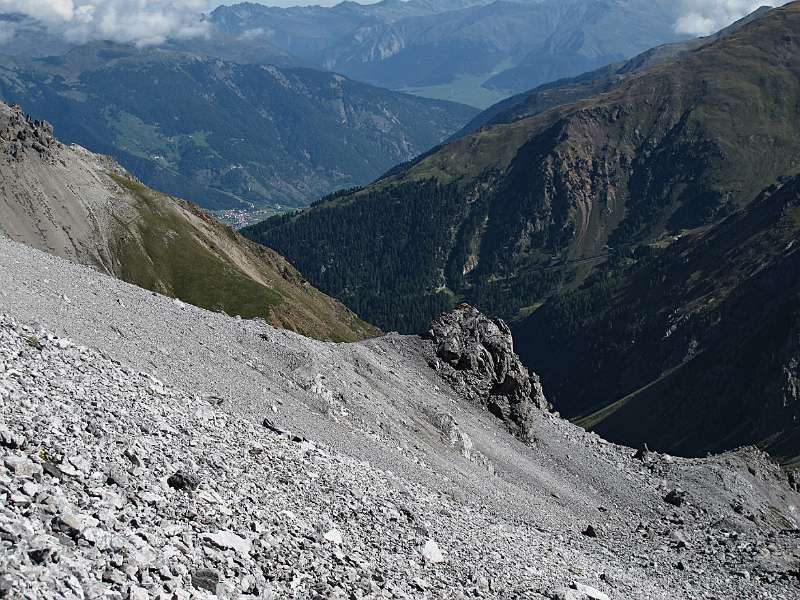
(166, 254)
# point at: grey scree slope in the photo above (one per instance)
(385, 470)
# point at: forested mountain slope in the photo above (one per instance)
(693, 347)
(508, 215)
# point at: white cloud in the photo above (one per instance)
(703, 17)
(7, 31)
(141, 22)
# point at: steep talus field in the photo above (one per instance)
(692, 348)
(504, 217)
(222, 134)
(217, 457)
(85, 207)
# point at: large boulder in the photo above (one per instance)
(476, 355)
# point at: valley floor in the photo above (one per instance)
(135, 464)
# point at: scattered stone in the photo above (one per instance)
(642, 454)
(274, 428)
(229, 541)
(138, 593)
(41, 556)
(588, 591)
(11, 440)
(118, 477)
(22, 466)
(334, 536)
(206, 579)
(73, 524)
(431, 552)
(249, 530)
(675, 497)
(183, 481)
(53, 470)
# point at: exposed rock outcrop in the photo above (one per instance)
(20, 133)
(476, 355)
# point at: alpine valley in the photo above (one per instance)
(590, 384)
(566, 209)
(222, 134)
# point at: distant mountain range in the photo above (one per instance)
(223, 134)
(607, 220)
(465, 50)
(470, 51)
(82, 206)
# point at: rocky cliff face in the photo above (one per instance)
(20, 133)
(476, 354)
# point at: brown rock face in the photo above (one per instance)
(476, 355)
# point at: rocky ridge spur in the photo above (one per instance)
(20, 133)
(476, 355)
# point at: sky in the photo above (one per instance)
(702, 17)
(147, 22)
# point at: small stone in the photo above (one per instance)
(642, 454)
(420, 584)
(117, 476)
(138, 593)
(114, 576)
(431, 552)
(11, 440)
(588, 591)
(73, 524)
(183, 481)
(675, 497)
(40, 556)
(22, 467)
(680, 538)
(334, 536)
(590, 531)
(53, 470)
(206, 579)
(227, 540)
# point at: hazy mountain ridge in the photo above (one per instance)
(227, 135)
(85, 207)
(419, 44)
(591, 83)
